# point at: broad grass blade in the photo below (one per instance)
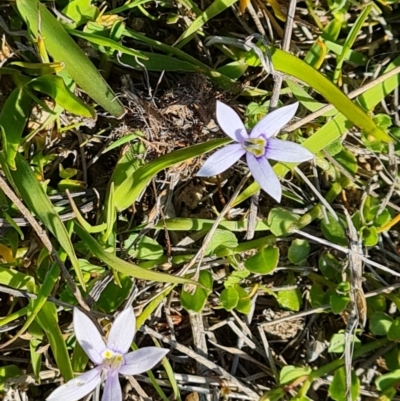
(63, 48)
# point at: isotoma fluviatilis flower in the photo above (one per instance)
(258, 146)
(111, 357)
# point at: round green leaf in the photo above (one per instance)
(290, 299)
(338, 388)
(195, 301)
(298, 250)
(115, 294)
(229, 298)
(333, 231)
(221, 239)
(281, 221)
(290, 373)
(146, 248)
(244, 303)
(394, 331)
(338, 340)
(380, 323)
(329, 266)
(370, 236)
(338, 302)
(264, 261)
(388, 380)
(317, 296)
(392, 358)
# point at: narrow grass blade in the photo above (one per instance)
(124, 267)
(62, 48)
(127, 192)
(350, 41)
(202, 68)
(55, 87)
(48, 321)
(13, 118)
(106, 42)
(38, 202)
(292, 65)
(37, 304)
(214, 9)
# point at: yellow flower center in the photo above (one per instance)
(112, 359)
(255, 146)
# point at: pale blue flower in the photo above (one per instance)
(111, 357)
(258, 146)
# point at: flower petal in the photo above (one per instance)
(221, 160)
(112, 389)
(230, 122)
(142, 360)
(88, 337)
(122, 332)
(273, 122)
(286, 151)
(77, 388)
(265, 176)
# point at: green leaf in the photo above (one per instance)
(392, 358)
(347, 160)
(216, 7)
(236, 277)
(234, 69)
(290, 299)
(329, 266)
(114, 295)
(229, 298)
(37, 201)
(338, 302)
(394, 331)
(128, 191)
(307, 100)
(194, 224)
(380, 323)
(195, 302)
(7, 372)
(264, 261)
(290, 373)
(48, 321)
(106, 42)
(13, 118)
(217, 77)
(292, 65)
(369, 235)
(338, 341)
(333, 231)
(376, 304)
(281, 221)
(54, 86)
(355, 29)
(317, 296)
(244, 303)
(158, 62)
(391, 379)
(338, 389)
(221, 239)
(80, 11)
(298, 251)
(124, 267)
(146, 248)
(62, 48)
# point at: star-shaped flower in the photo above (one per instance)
(258, 146)
(111, 357)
